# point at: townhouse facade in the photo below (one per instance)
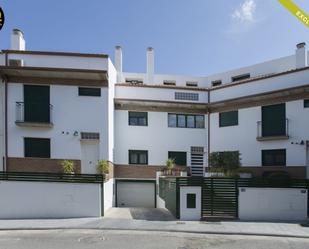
(83, 107)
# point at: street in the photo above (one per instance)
(85, 239)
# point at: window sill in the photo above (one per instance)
(270, 138)
(34, 124)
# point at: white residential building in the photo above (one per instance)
(59, 105)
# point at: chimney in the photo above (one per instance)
(301, 55)
(150, 65)
(17, 40)
(118, 63)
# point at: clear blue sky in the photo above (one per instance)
(197, 37)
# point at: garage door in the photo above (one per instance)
(135, 194)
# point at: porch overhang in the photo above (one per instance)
(58, 76)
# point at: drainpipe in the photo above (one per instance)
(208, 121)
(6, 117)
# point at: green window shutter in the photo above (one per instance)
(191, 200)
(273, 120)
(37, 147)
(179, 157)
(36, 103)
(228, 118)
(306, 103)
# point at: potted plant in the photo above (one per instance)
(68, 166)
(103, 168)
(170, 164)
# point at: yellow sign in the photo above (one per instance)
(1, 18)
(296, 11)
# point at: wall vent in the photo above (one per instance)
(16, 63)
(186, 96)
(90, 135)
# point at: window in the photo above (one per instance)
(169, 82)
(186, 96)
(134, 81)
(37, 147)
(179, 157)
(274, 157)
(240, 77)
(138, 157)
(306, 103)
(228, 118)
(138, 118)
(186, 121)
(89, 91)
(191, 200)
(216, 83)
(273, 120)
(191, 83)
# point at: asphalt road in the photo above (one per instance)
(85, 239)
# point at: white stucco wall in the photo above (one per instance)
(109, 200)
(157, 138)
(70, 113)
(127, 92)
(295, 79)
(56, 61)
(273, 204)
(25, 200)
(190, 213)
(243, 136)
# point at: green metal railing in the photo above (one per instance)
(51, 177)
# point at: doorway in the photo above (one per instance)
(90, 155)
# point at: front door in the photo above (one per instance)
(90, 156)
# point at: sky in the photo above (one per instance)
(189, 37)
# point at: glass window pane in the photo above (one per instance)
(190, 121)
(181, 120)
(143, 158)
(200, 123)
(133, 158)
(142, 121)
(228, 118)
(172, 120)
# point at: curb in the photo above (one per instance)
(158, 230)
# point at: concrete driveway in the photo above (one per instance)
(151, 214)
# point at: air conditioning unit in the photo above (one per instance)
(16, 63)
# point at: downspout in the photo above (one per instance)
(208, 121)
(6, 116)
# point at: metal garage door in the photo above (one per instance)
(136, 194)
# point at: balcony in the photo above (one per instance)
(34, 115)
(279, 132)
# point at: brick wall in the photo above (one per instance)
(298, 172)
(21, 164)
(137, 171)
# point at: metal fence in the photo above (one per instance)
(51, 177)
(220, 195)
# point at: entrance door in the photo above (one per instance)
(90, 157)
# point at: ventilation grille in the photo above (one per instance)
(90, 135)
(197, 161)
(186, 96)
(16, 63)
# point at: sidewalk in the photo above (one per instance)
(233, 228)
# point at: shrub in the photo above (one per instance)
(227, 161)
(68, 166)
(103, 167)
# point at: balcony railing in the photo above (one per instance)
(278, 134)
(34, 114)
